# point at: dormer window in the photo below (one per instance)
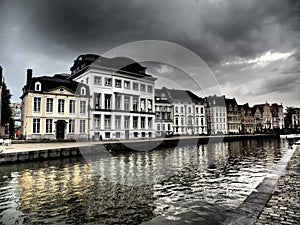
(37, 86)
(83, 91)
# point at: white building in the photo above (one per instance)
(216, 115)
(123, 96)
(188, 112)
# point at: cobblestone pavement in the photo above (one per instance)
(284, 204)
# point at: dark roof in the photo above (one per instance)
(49, 83)
(216, 100)
(179, 95)
(122, 65)
(230, 101)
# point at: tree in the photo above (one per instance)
(5, 110)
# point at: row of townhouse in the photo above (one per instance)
(114, 98)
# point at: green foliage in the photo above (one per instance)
(5, 110)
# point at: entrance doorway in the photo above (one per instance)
(60, 129)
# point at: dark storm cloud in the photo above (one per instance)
(48, 35)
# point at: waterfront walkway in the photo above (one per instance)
(284, 204)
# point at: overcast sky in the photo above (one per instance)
(251, 46)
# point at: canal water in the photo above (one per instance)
(183, 185)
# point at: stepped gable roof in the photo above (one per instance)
(274, 109)
(49, 83)
(122, 65)
(216, 101)
(182, 95)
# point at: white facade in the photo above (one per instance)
(122, 105)
(218, 120)
(189, 118)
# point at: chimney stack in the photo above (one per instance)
(29, 76)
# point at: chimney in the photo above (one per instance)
(1, 75)
(29, 76)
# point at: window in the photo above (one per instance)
(118, 134)
(126, 122)
(49, 123)
(71, 126)
(149, 105)
(118, 102)
(107, 121)
(176, 121)
(163, 127)
(107, 101)
(117, 122)
(143, 103)
(118, 83)
(61, 105)
(72, 107)
(107, 134)
(143, 88)
(202, 121)
(158, 126)
(97, 121)
(97, 100)
(87, 80)
(176, 109)
(150, 89)
(82, 126)
(37, 104)
(36, 126)
(190, 110)
(127, 84)
(135, 122)
(149, 123)
(143, 122)
(49, 105)
(201, 110)
(82, 107)
(181, 109)
(126, 103)
(135, 103)
(169, 127)
(197, 110)
(197, 121)
(107, 82)
(135, 86)
(37, 86)
(182, 121)
(190, 120)
(97, 80)
(83, 92)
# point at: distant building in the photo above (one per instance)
(54, 108)
(233, 116)
(122, 105)
(164, 113)
(263, 116)
(16, 116)
(216, 113)
(1, 82)
(247, 119)
(277, 116)
(296, 118)
(188, 112)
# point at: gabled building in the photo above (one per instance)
(277, 116)
(164, 113)
(216, 114)
(188, 112)
(233, 116)
(258, 118)
(122, 105)
(266, 119)
(54, 108)
(247, 119)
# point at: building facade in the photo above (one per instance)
(188, 112)
(164, 113)
(216, 114)
(233, 116)
(247, 119)
(54, 108)
(122, 105)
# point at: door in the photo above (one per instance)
(126, 134)
(60, 129)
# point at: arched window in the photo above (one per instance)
(83, 91)
(37, 86)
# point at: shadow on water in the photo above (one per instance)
(184, 185)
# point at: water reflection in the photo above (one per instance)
(191, 184)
